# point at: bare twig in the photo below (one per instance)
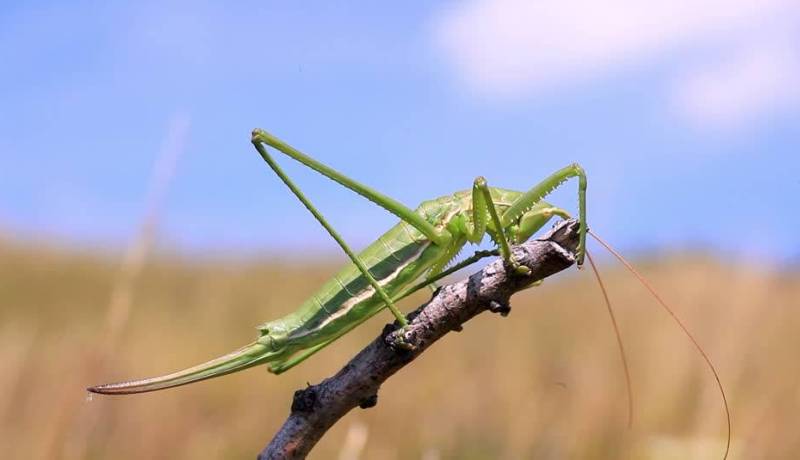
(317, 408)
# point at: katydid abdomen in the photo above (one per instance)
(396, 259)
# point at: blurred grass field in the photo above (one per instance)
(546, 382)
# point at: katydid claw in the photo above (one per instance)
(398, 340)
(518, 268)
(522, 270)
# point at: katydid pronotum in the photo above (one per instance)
(409, 256)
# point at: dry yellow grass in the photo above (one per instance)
(543, 383)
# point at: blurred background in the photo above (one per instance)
(141, 233)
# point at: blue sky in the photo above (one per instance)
(685, 116)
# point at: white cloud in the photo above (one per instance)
(741, 87)
(508, 48)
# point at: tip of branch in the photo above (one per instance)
(565, 234)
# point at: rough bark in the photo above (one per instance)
(317, 408)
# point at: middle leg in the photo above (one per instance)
(482, 207)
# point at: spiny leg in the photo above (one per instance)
(482, 204)
(353, 257)
(432, 278)
(450, 252)
(539, 191)
(439, 237)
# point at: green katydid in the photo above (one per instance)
(409, 256)
(424, 242)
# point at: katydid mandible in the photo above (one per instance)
(419, 247)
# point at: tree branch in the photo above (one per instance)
(317, 408)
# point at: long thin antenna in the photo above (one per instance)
(622, 354)
(663, 304)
